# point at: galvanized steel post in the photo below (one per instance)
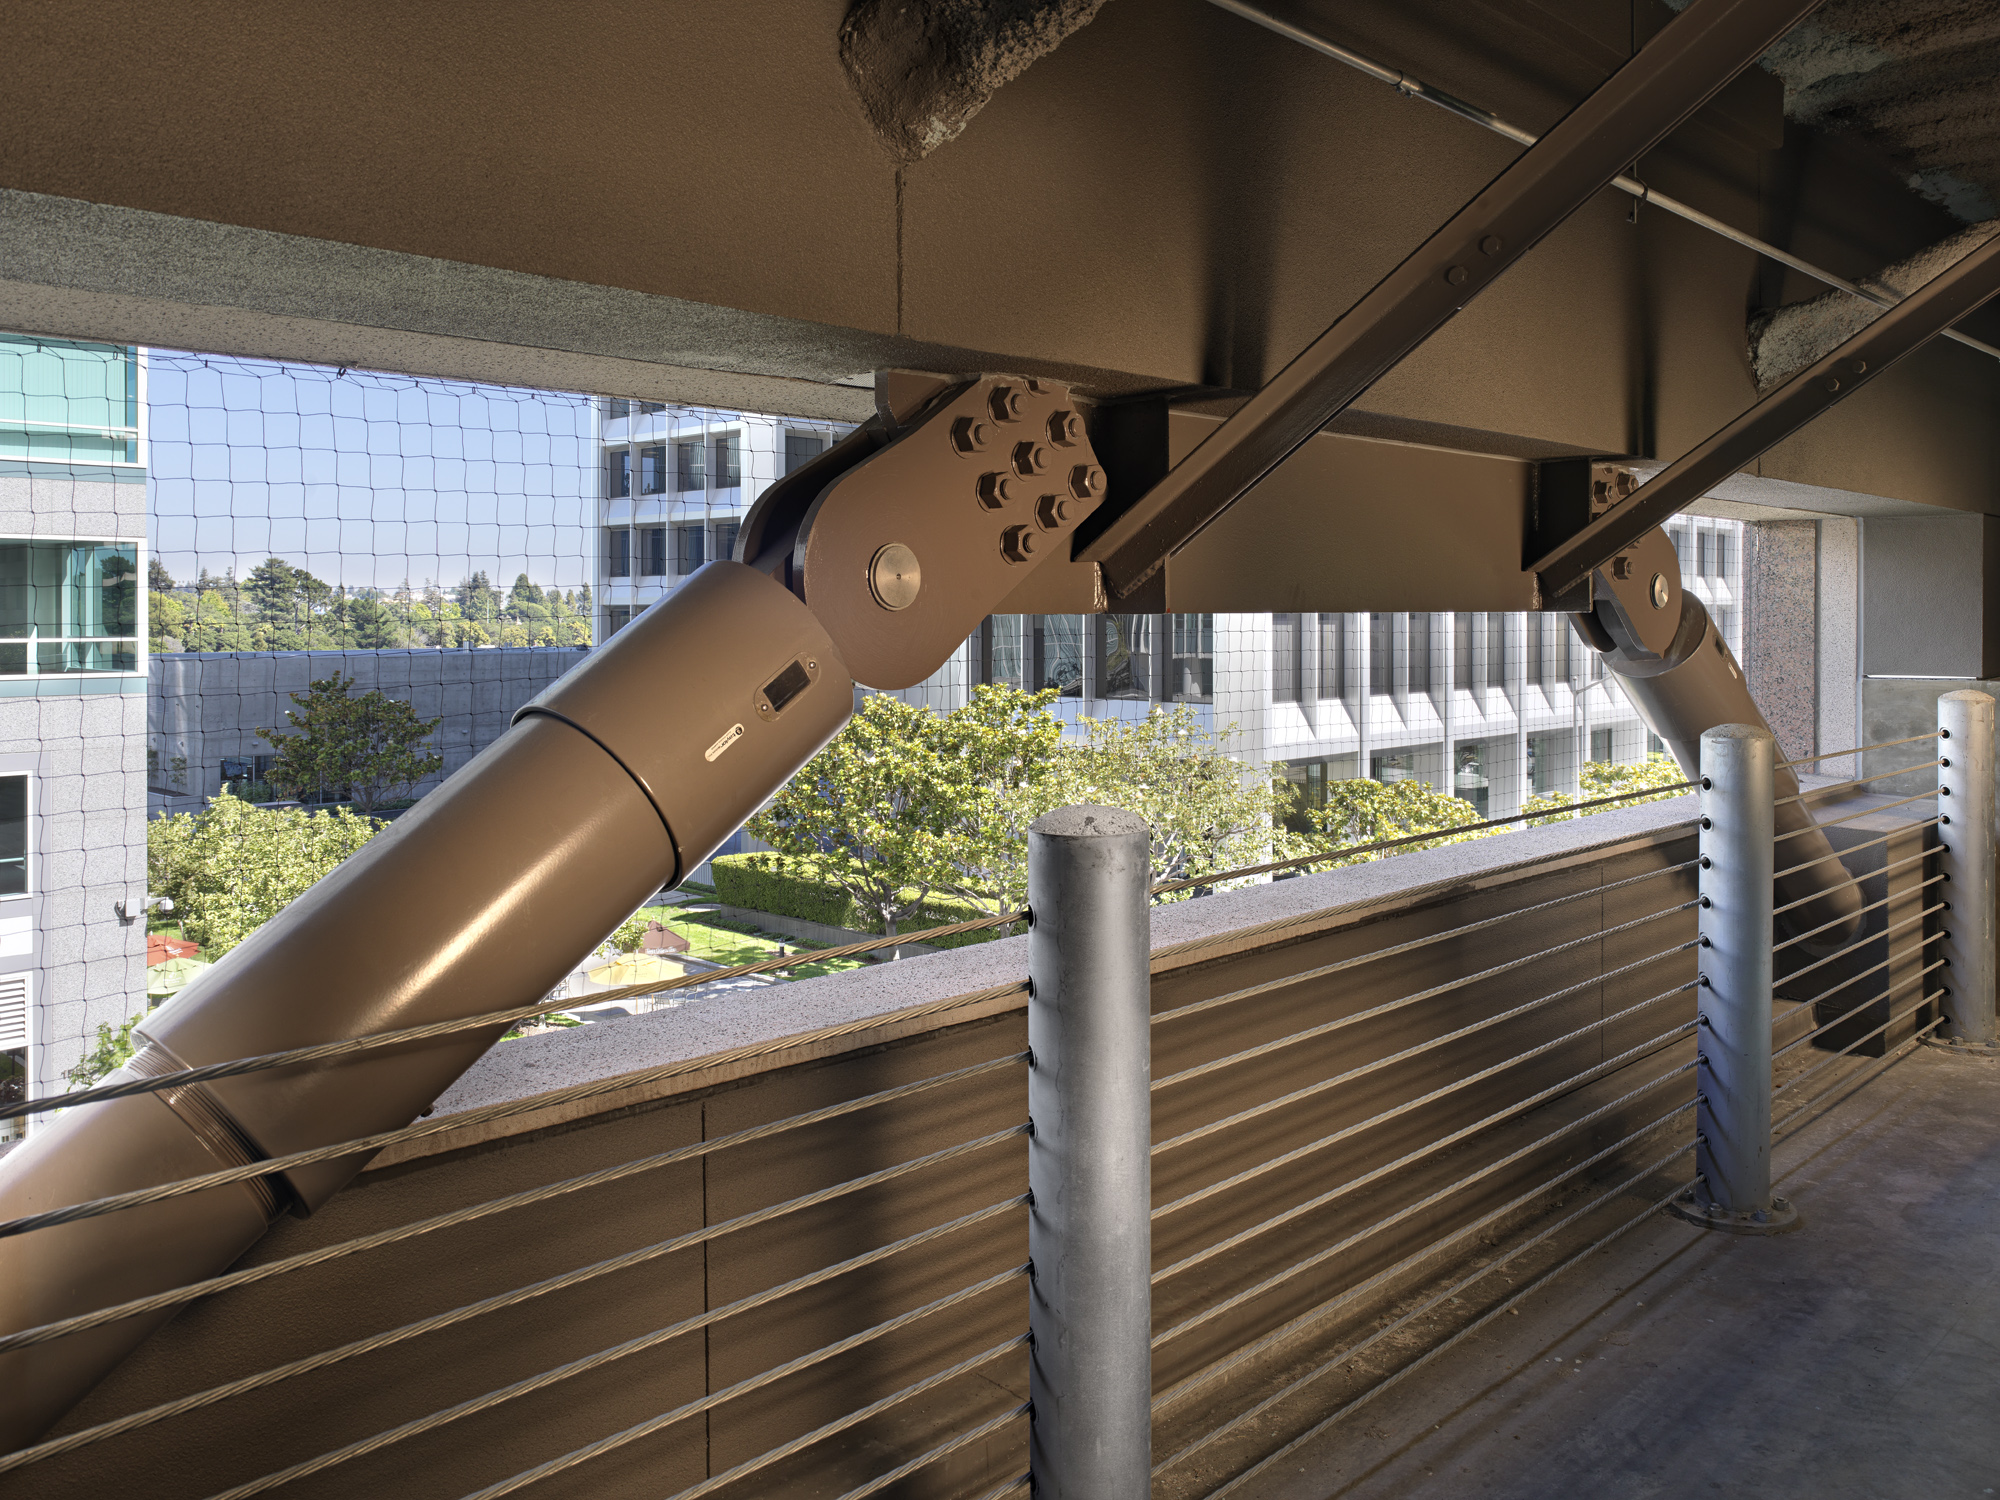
(1733, 1031)
(1965, 833)
(1090, 1156)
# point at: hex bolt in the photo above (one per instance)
(1018, 543)
(1005, 403)
(995, 490)
(1621, 567)
(1065, 429)
(1052, 512)
(1086, 482)
(969, 435)
(1458, 276)
(1030, 459)
(1832, 383)
(1491, 245)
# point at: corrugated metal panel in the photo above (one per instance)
(13, 1011)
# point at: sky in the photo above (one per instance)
(365, 479)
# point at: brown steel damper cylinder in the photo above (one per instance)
(619, 780)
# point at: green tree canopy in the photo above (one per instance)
(233, 866)
(369, 746)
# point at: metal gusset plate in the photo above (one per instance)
(902, 556)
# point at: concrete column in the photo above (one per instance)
(1090, 1157)
(1733, 1034)
(1965, 831)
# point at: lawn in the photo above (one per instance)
(725, 942)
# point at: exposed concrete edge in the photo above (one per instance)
(1185, 935)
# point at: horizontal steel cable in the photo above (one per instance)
(943, 1450)
(1321, 1256)
(1388, 1330)
(1327, 1028)
(1873, 1032)
(1810, 760)
(1298, 1153)
(1471, 1328)
(1457, 830)
(1896, 895)
(1797, 1120)
(1866, 812)
(324, 1051)
(1831, 990)
(1397, 950)
(1888, 869)
(602, 1357)
(1841, 786)
(263, 1378)
(1855, 1010)
(370, 1144)
(1857, 848)
(234, 1279)
(782, 1451)
(1863, 942)
(1429, 1148)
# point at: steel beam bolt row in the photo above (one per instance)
(1090, 1155)
(1965, 835)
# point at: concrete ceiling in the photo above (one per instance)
(1919, 79)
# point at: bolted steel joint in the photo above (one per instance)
(1005, 403)
(969, 435)
(1019, 543)
(1065, 429)
(1053, 512)
(1030, 459)
(1086, 482)
(996, 491)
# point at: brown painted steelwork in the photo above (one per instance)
(1905, 328)
(1672, 76)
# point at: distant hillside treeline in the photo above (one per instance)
(283, 608)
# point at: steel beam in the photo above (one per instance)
(1905, 328)
(1671, 77)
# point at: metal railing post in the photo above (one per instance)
(1090, 1155)
(1733, 1034)
(1965, 836)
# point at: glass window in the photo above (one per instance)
(616, 618)
(1725, 547)
(13, 835)
(690, 466)
(1381, 654)
(1191, 677)
(1600, 744)
(618, 474)
(1126, 641)
(73, 606)
(618, 556)
(1496, 650)
(1007, 650)
(1332, 657)
(1545, 757)
(1420, 653)
(690, 548)
(1531, 657)
(653, 551)
(1470, 783)
(1391, 767)
(1286, 666)
(728, 462)
(617, 409)
(725, 539)
(1701, 545)
(63, 402)
(802, 448)
(653, 470)
(647, 408)
(1062, 654)
(1462, 674)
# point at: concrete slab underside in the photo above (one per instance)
(1859, 1357)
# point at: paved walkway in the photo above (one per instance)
(1859, 1357)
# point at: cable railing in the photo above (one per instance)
(1425, 1098)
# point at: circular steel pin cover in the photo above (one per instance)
(1661, 591)
(894, 577)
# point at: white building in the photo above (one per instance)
(72, 703)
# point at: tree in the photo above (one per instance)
(1603, 778)
(375, 625)
(233, 866)
(525, 591)
(1367, 812)
(273, 589)
(158, 578)
(1207, 811)
(370, 746)
(887, 810)
(167, 618)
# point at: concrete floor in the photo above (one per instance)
(1859, 1357)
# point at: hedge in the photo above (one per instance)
(790, 886)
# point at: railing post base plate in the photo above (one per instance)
(1782, 1217)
